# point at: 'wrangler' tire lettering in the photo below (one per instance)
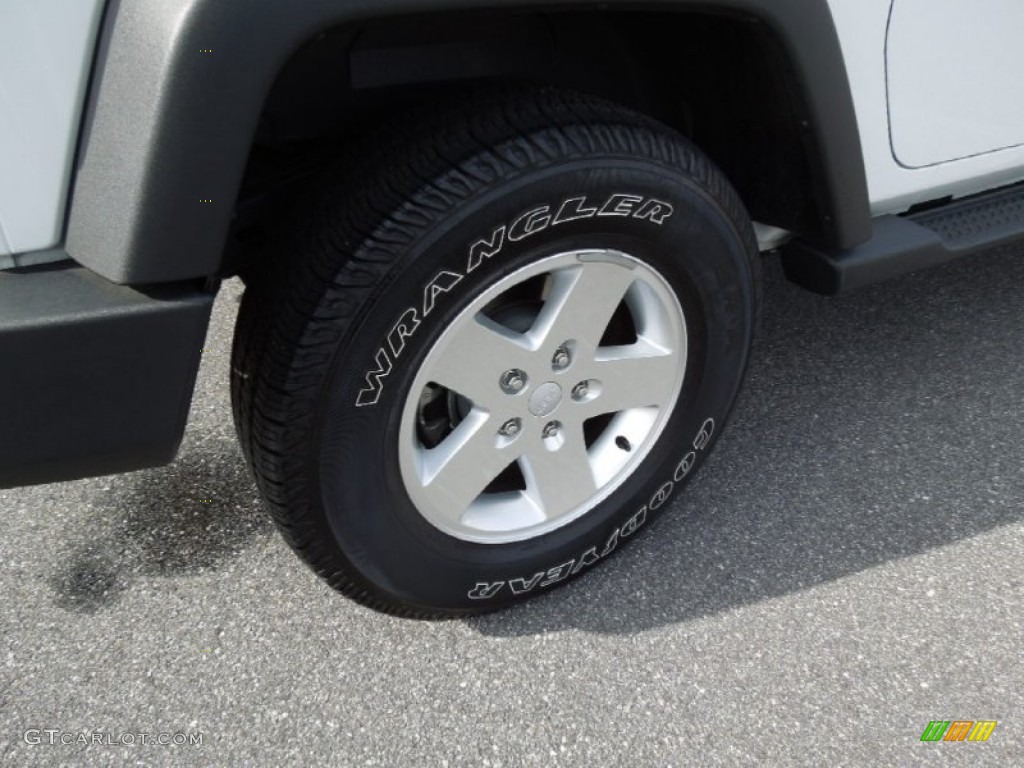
(529, 223)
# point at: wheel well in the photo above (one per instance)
(722, 80)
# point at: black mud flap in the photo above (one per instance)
(95, 378)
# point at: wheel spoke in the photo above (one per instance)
(472, 363)
(455, 473)
(633, 376)
(580, 304)
(560, 480)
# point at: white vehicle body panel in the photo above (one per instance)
(893, 187)
(955, 85)
(46, 51)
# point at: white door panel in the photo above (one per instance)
(956, 78)
(46, 47)
(892, 186)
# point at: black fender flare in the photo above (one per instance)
(178, 87)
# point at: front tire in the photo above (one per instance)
(493, 349)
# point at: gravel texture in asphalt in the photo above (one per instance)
(847, 567)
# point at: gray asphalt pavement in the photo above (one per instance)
(847, 567)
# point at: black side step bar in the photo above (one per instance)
(911, 242)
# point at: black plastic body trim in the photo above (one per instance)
(180, 85)
(898, 246)
(903, 244)
(96, 378)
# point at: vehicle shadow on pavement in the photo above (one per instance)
(873, 427)
(189, 517)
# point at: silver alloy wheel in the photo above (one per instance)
(518, 400)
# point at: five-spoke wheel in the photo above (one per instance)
(542, 396)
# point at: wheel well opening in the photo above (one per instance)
(724, 81)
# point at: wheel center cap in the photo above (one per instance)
(545, 399)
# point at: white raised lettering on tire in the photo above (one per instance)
(523, 226)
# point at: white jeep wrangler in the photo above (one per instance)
(501, 257)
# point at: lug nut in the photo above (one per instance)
(551, 429)
(580, 391)
(510, 428)
(512, 382)
(561, 358)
